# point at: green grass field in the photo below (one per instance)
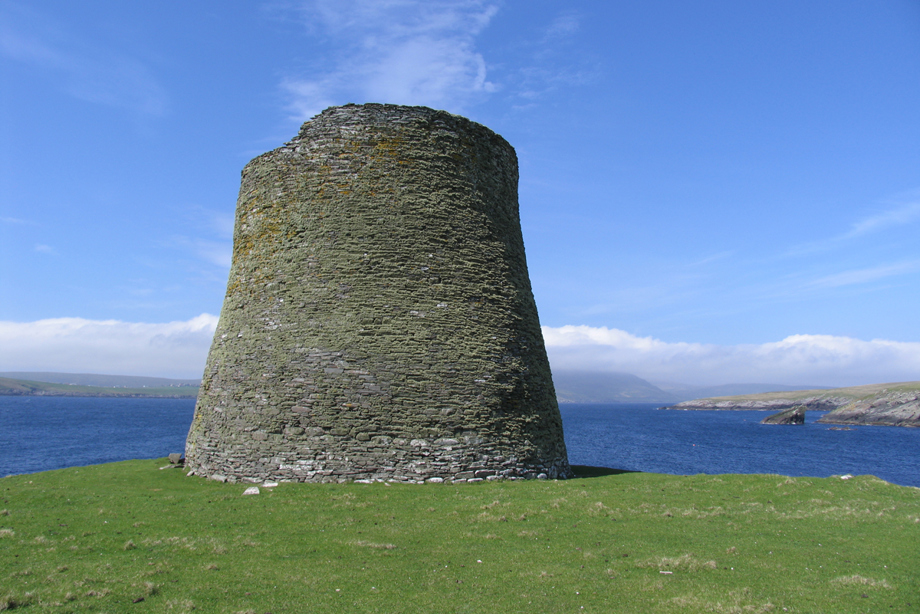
(127, 537)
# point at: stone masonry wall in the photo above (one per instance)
(379, 322)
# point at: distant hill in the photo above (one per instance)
(687, 392)
(597, 387)
(105, 381)
(21, 387)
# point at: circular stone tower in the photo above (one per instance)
(379, 322)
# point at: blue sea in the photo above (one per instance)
(42, 433)
(641, 437)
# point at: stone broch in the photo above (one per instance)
(379, 322)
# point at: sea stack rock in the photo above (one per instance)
(793, 415)
(379, 322)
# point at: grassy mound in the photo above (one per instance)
(126, 537)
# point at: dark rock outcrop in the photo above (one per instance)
(794, 415)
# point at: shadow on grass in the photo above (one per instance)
(584, 471)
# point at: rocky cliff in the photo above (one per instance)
(896, 404)
(892, 407)
(774, 401)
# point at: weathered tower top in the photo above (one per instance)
(379, 321)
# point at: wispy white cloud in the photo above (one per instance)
(17, 221)
(222, 223)
(553, 60)
(795, 360)
(214, 229)
(215, 252)
(45, 249)
(708, 259)
(565, 24)
(866, 275)
(172, 349)
(83, 68)
(396, 51)
(899, 216)
(218, 253)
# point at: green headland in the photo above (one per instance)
(20, 387)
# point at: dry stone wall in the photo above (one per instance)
(379, 322)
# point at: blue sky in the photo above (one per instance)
(710, 192)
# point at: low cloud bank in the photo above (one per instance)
(179, 349)
(76, 345)
(822, 360)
